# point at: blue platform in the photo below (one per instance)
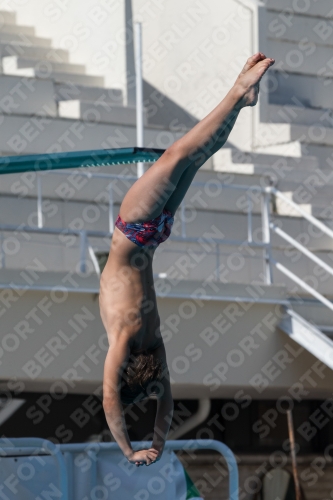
(37, 469)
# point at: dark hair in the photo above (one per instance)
(140, 374)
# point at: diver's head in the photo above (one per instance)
(142, 378)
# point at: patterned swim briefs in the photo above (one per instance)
(149, 233)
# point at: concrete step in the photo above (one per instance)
(277, 133)
(323, 8)
(228, 155)
(314, 192)
(26, 96)
(23, 38)
(301, 150)
(304, 181)
(294, 88)
(18, 29)
(293, 148)
(314, 199)
(100, 111)
(269, 134)
(13, 64)
(69, 92)
(322, 211)
(77, 79)
(31, 52)
(276, 172)
(43, 70)
(292, 27)
(308, 60)
(54, 255)
(283, 208)
(38, 135)
(7, 17)
(275, 167)
(323, 153)
(297, 115)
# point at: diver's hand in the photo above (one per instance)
(143, 457)
(155, 453)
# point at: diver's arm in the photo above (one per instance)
(163, 419)
(116, 358)
(164, 411)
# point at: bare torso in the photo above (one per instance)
(127, 294)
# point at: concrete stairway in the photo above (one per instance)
(55, 87)
(48, 104)
(40, 80)
(295, 116)
(24, 54)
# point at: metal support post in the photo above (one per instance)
(139, 92)
(83, 251)
(111, 218)
(266, 236)
(182, 218)
(39, 202)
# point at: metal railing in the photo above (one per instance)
(84, 234)
(15, 447)
(86, 250)
(301, 248)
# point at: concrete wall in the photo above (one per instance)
(194, 52)
(219, 348)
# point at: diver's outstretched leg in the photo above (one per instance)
(153, 191)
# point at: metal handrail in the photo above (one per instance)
(303, 284)
(287, 272)
(24, 446)
(302, 212)
(301, 248)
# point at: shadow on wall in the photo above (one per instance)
(163, 112)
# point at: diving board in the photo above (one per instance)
(77, 159)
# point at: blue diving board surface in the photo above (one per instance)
(77, 159)
(37, 469)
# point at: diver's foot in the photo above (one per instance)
(250, 76)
